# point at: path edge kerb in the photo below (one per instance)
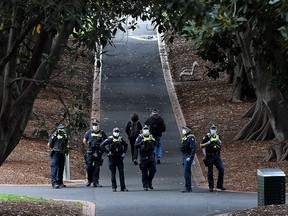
(180, 120)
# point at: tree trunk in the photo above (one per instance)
(269, 118)
(277, 152)
(13, 124)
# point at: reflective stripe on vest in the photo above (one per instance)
(150, 137)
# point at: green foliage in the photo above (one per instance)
(215, 24)
(19, 197)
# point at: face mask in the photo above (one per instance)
(115, 134)
(95, 128)
(213, 132)
(184, 132)
(146, 132)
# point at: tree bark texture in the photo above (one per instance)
(14, 116)
(269, 117)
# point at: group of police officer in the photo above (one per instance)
(115, 147)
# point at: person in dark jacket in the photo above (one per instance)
(146, 143)
(92, 139)
(212, 144)
(116, 152)
(188, 149)
(58, 144)
(156, 127)
(133, 129)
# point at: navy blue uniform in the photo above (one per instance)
(116, 152)
(94, 155)
(188, 149)
(58, 143)
(212, 152)
(146, 146)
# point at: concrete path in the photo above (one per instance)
(133, 81)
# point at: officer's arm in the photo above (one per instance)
(103, 144)
(50, 142)
(205, 142)
(86, 138)
(193, 145)
(85, 141)
(138, 142)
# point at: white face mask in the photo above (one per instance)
(184, 132)
(116, 134)
(213, 132)
(146, 132)
(95, 128)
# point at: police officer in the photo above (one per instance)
(58, 144)
(146, 144)
(188, 149)
(92, 139)
(212, 144)
(116, 152)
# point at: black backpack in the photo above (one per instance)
(134, 129)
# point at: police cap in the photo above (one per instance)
(95, 122)
(60, 126)
(145, 127)
(213, 127)
(187, 127)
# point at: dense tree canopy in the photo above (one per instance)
(248, 39)
(33, 34)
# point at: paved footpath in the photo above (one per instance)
(133, 81)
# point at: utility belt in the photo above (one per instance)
(148, 157)
(95, 153)
(212, 154)
(52, 152)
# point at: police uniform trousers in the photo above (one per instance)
(117, 162)
(57, 168)
(215, 159)
(148, 168)
(93, 168)
(187, 172)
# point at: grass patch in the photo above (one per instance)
(19, 197)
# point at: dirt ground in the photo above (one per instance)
(203, 101)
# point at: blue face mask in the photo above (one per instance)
(213, 132)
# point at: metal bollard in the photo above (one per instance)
(66, 174)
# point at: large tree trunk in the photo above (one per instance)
(13, 123)
(269, 118)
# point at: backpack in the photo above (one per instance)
(134, 129)
(153, 127)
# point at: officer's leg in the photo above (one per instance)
(53, 166)
(61, 165)
(187, 174)
(89, 170)
(96, 172)
(120, 166)
(112, 167)
(152, 171)
(210, 174)
(219, 165)
(144, 169)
